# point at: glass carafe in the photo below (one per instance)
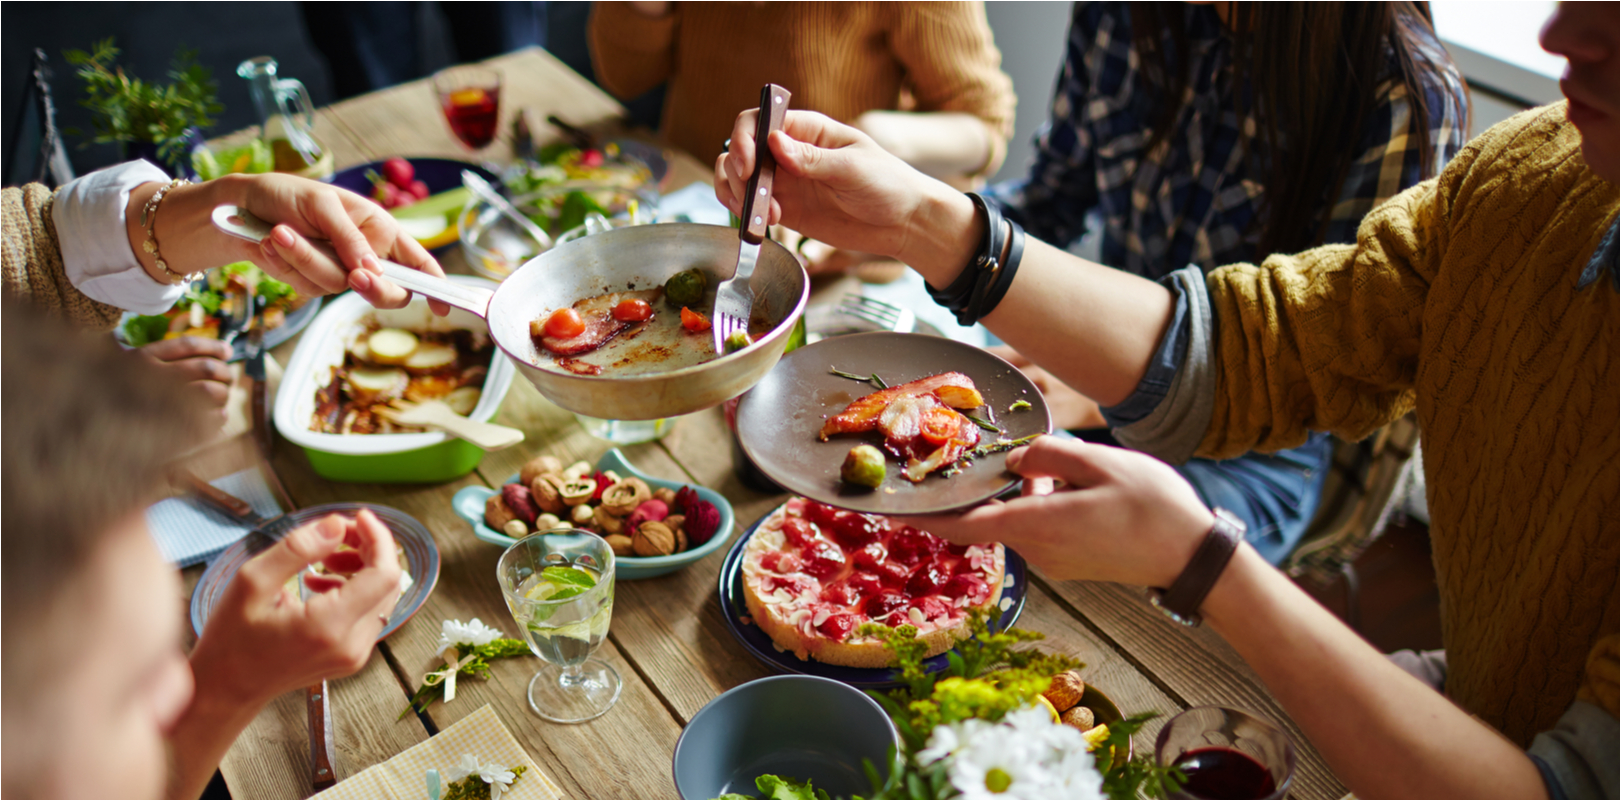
(287, 117)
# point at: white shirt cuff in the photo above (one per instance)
(89, 217)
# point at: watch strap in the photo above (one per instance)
(1186, 595)
(960, 292)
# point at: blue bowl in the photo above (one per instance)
(469, 505)
(793, 726)
(440, 175)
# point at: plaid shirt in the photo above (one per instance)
(1191, 203)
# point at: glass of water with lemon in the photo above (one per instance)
(559, 588)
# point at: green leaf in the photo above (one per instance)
(573, 576)
(145, 329)
(576, 206)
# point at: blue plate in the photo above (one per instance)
(733, 608)
(440, 175)
(469, 505)
(421, 558)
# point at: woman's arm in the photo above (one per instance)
(632, 45)
(1129, 518)
(965, 102)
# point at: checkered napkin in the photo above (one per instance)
(188, 531)
(480, 733)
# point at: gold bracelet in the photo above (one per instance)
(149, 221)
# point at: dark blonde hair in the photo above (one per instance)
(88, 431)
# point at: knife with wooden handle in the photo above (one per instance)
(322, 754)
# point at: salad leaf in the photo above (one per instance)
(146, 329)
(576, 205)
(209, 300)
(775, 787)
(552, 153)
(274, 291)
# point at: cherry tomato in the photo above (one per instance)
(693, 321)
(564, 323)
(590, 158)
(939, 426)
(632, 311)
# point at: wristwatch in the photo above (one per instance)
(1184, 597)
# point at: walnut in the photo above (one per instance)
(623, 497)
(1065, 691)
(547, 493)
(578, 491)
(621, 544)
(654, 539)
(582, 514)
(607, 522)
(1080, 717)
(665, 494)
(515, 529)
(537, 466)
(497, 513)
(675, 521)
(577, 469)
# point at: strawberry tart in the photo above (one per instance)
(812, 574)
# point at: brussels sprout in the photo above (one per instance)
(686, 288)
(737, 341)
(864, 466)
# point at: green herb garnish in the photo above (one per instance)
(1019, 405)
(981, 423)
(476, 668)
(872, 379)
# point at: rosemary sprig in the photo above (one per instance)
(997, 446)
(1020, 405)
(872, 379)
(981, 423)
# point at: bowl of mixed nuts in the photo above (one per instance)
(654, 526)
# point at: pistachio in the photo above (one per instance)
(653, 539)
(577, 469)
(546, 522)
(578, 491)
(607, 522)
(537, 466)
(515, 529)
(547, 493)
(621, 544)
(623, 497)
(497, 513)
(581, 514)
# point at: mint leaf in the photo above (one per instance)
(779, 788)
(572, 576)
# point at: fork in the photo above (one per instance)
(887, 316)
(734, 299)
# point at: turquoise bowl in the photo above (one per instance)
(469, 505)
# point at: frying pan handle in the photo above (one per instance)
(241, 223)
(773, 106)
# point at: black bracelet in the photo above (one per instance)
(986, 302)
(959, 295)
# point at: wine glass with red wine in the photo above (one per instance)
(471, 100)
(1226, 754)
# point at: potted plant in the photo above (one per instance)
(159, 123)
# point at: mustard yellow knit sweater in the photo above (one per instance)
(1459, 299)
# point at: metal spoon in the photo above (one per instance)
(490, 195)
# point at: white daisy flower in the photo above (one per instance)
(498, 777)
(946, 740)
(1000, 765)
(454, 632)
(468, 766)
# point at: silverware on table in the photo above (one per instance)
(887, 316)
(491, 195)
(734, 301)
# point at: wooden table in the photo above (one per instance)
(668, 640)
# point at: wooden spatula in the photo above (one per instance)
(435, 414)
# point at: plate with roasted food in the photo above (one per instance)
(797, 586)
(891, 423)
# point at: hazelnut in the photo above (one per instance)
(546, 491)
(578, 491)
(680, 540)
(1080, 717)
(654, 539)
(624, 497)
(620, 543)
(515, 529)
(607, 522)
(497, 513)
(546, 522)
(537, 466)
(581, 514)
(576, 470)
(1065, 691)
(665, 494)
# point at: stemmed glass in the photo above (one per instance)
(1226, 754)
(471, 100)
(559, 588)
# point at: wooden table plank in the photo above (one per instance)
(1188, 668)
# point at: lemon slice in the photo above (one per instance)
(574, 630)
(542, 591)
(1051, 709)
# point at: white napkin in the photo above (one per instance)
(189, 532)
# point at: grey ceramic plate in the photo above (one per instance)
(778, 420)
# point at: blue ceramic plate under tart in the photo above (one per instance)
(421, 559)
(733, 609)
(440, 175)
(469, 505)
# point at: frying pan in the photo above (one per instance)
(660, 371)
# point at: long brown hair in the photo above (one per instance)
(1310, 74)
